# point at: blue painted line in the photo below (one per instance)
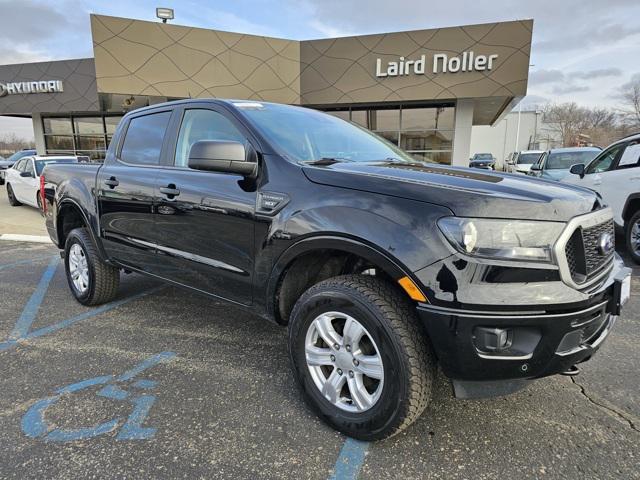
(78, 318)
(114, 392)
(35, 426)
(144, 365)
(30, 310)
(74, 387)
(133, 429)
(33, 423)
(91, 313)
(24, 262)
(350, 460)
(59, 435)
(146, 384)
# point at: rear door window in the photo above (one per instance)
(143, 140)
(631, 156)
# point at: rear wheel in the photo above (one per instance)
(633, 237)
(360, 356)
(91, 281)
(13, 201)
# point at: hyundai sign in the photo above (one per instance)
(21, 88)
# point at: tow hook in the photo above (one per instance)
(571, 371)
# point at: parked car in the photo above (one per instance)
(380, 266)
(23, 179)
(555, 164)
(483, 160)
(615, 174)
(521, 162)
(9, 162)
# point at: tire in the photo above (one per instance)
(389, 319)
(13, 201)
(102, 280)
(632, 237)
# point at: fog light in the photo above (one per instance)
(490, 339)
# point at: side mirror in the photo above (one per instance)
(578, 169)
(26, 174)
(223, 156)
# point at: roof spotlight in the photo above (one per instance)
(164, 14)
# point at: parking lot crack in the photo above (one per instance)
(611, 410)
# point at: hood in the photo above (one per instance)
(6, 163)
(556, 175)
(523, 167)
(465, 191)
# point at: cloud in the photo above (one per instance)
(569, 88)
(597, 73)
(545, 76)
(328, 30)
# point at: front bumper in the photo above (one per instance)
(541, 344)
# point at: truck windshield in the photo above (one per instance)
(306, 135)
(564, 160)
(528, 158)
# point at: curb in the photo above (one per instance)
(15, 237)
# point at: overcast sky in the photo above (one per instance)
(583, 50)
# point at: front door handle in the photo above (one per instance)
(112, 182)
(170, 191)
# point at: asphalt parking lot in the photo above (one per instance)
(162, 383)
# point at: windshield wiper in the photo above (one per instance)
(327, 161)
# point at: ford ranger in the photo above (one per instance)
(382, 267)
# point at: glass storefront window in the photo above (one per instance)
(88, 125)
(111, 123)
(359, 117)
(426, 140)
(93, 142)
(343, 114)
(433, 118)
(57, 126)
(381, 120)
(79, 135)
(391, 136)
(438, 157)
(58, 142)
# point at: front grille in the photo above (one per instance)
(583, 253)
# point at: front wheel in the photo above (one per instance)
(360, 357)
(13, 201)
(91, 281)
(632, 236)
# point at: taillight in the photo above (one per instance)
(42, 199)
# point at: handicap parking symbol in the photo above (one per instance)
(137, 393)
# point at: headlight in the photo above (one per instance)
(519, 240)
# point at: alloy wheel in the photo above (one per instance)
(78, 268)
(344, 362)
(635, 237)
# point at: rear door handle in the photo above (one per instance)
(170, 191)
(112, 182)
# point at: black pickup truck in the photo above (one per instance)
(383, 268)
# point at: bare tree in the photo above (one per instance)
(566, 121)
(10, 142)
(630, 95)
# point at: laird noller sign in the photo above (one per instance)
(20, 88)
(438, 63)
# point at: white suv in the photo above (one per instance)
(615, 174)
(521, 162)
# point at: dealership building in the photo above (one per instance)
(422, 90)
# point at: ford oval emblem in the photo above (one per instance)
(606, 244)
